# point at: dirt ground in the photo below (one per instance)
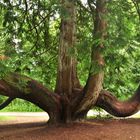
(29, 128)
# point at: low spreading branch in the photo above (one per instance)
(119, 108)
(23, 87)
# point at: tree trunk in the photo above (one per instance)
(67, 79)
(94, 83)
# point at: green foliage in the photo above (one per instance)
(122, 49)
(30, 36)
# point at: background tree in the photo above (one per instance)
(34, 32)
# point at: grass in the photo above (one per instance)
(5, 118)
(19, 105)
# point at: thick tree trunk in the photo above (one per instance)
(94, 83)
(67, 78)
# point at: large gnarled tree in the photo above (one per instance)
(70, 101)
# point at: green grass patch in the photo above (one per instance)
(5, 118)
(19, 105)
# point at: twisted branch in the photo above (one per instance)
(119, 108)
(23, 87)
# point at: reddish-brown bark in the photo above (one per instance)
(93, 85)
(19, 86)
(66, 77)
(118, 108)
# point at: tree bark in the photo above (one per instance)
(19, 86)
(67, 77)
(118, 108)
(94, 83)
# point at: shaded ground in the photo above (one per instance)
(36, 128)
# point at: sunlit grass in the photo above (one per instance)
(5, 118)
(137, 115)
(19, 105)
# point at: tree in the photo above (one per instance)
(70, 101)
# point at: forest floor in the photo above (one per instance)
(36, 128)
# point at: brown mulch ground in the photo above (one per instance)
(36, 129)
